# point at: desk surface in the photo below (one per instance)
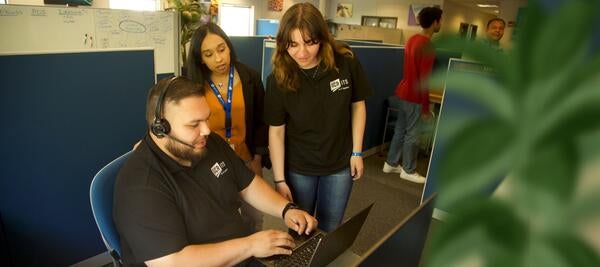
(346, 259)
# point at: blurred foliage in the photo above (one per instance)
(545, 96)
(190, 13)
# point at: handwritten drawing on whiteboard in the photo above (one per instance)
(127, 29)
(120, 28)
(51, 28)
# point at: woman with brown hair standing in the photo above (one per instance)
(315, 106)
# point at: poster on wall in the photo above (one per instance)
(344, 10)
(413, 12)
(275, 5)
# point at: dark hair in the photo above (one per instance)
(309, 20)
(179, 89)
(428, 15)
(495, 19)
(196, 71)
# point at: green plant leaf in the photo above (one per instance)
(529, 28)
(547, 92)
(544, 186)
(481, 89)
(480, 52)
(487, 229)
(474, 159)
(566, 31)
(540, 253)
(558, 178)
(576, 114)
(458, 250)
(176, 3)
(585, 208)
(574, 251)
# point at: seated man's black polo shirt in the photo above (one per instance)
(160, 206)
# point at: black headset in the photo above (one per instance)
(161, 127)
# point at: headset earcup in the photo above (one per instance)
(160, 128)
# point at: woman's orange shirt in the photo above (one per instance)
(216, 120)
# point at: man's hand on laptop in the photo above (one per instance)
(300, 221)
(271, 242)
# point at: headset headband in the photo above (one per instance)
(158, 111)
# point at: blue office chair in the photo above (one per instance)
(101, 198)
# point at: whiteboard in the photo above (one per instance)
(52, 28)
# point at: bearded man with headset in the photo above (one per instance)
(176, 199)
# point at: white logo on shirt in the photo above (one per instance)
(218, 169)
(336, 85)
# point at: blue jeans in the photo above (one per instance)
(406, 134)
(327, 194)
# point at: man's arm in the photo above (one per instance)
(230, 252)
(425, 67)
(261, 196)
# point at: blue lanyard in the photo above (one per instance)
(226, 106)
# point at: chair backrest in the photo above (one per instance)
(101, 199)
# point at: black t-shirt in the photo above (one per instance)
(160, 206)
(318, 134)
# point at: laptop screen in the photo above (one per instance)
(403, 245)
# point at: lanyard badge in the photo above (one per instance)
(226, 105)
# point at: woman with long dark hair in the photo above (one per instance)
(236, 99)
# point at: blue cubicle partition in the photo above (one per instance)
(68, 114)
(248, 50)
(384, 66)
(356, 42)
(374, 59)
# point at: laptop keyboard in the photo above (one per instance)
(300, 256)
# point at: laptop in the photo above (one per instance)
(321, 248)
(404, 244)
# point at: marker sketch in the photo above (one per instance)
(132, 26)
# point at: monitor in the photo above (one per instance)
(404, 244)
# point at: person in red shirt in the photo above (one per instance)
(412, 97)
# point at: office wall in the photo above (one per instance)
(95, 3)
(385, 8)
(390, 36)
(261, 7)
(456, 12)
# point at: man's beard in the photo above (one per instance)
(184, 152)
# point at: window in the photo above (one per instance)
(467, 31)
(143, 5)
(237, 20)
